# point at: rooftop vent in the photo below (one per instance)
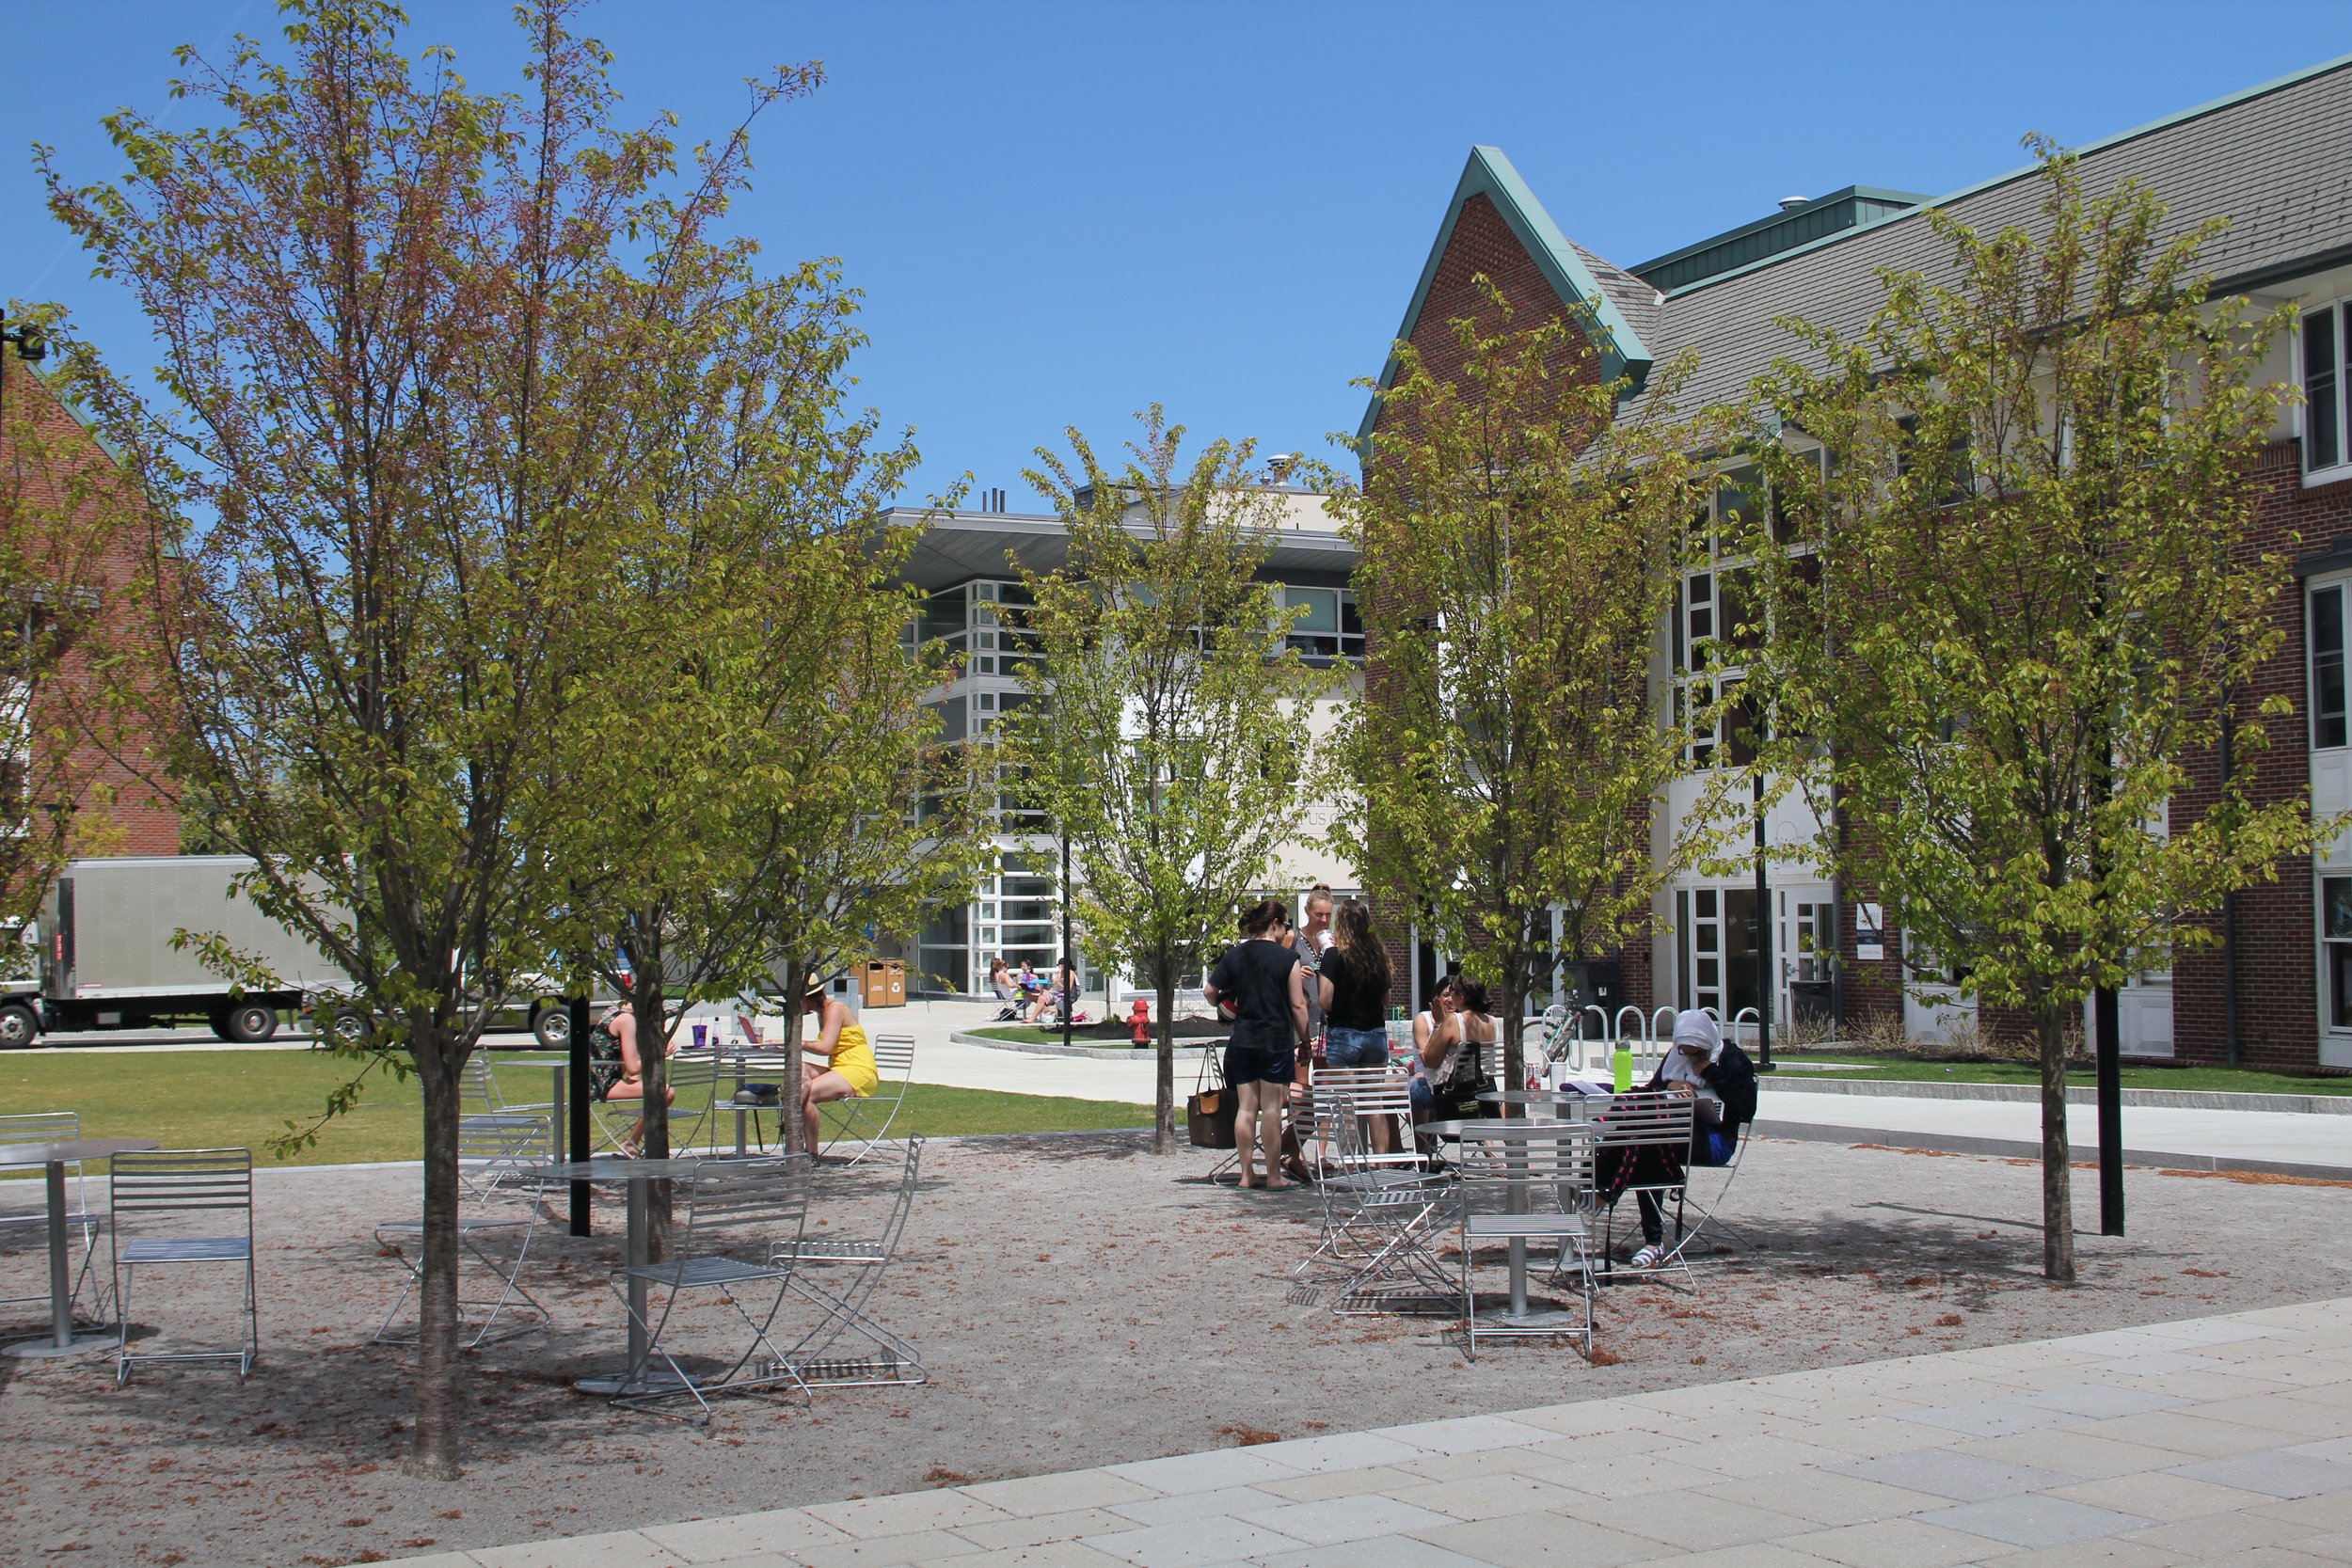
(1791, 203)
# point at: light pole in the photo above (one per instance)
(1069, 975)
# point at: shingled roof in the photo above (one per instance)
(2276, 160)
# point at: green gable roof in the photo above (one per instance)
(1489, 174)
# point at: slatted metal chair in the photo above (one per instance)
(1650, 1127)
(839, 1273)
(35, 1127)
(1377, 1092)
(498, 1219)
(1377, 1225)
(153, 1196)
(866, 1120)
(742, 1217)
(1523, 1184)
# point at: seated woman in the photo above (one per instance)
(1000, 984)
(614, 1041)
(1065, 985)
(849, 1070)
(1452, 1040)
(1719, 1076)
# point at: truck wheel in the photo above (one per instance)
(250, 1022)
(218, 1023)
(552, 1027)
(349, 1026)
(19, 1027)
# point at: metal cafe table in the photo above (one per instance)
(636, 1177)
(1520, 1313)
(56, 1156)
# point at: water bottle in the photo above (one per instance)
(1622, 1061)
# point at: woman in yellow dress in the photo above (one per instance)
(849, 1066)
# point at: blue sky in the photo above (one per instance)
(1060, 212)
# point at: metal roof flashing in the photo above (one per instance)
(1489, 174)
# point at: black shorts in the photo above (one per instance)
(1259, 1064)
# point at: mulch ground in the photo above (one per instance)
(1078, 1301)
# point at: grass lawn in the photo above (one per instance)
(1912, 1070)
(233, 1099)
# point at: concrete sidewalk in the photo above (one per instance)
(2214, 1439)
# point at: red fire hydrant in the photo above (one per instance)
(1140, 1022)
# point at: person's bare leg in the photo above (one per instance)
(822, 1088)
(1245, 1129)
(1271, 1099)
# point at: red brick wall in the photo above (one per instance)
(2276, 958)
(89, 566)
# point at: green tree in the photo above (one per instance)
(401, 324)
(1166, 732)
(1517, 548)
(752, 721)
(2014, 606)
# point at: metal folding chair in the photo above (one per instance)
(1376, 1226)
(865, 1119)
(35, 1127)
(741, 1217)
(1524, 1183)
(1652, 1125)
(152, 1194)
(1710, 1208)
(1377, 1092)
(494, 1153)
(861, 1264)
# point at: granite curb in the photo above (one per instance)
(1940, 1142)
(2177, 1100)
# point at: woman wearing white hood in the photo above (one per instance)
(1718, 1073)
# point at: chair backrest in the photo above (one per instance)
(905, 1202)
(1508, 1157)
(746, 1205)
(495, 1149)
(39, 1126)
(894, 1056)
(182, 1181)
(477, 1086)
(1645, 1117)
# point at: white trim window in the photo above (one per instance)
(2325, 349)
(1714, 625)
(2325, 640)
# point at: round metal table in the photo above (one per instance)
(1507, 1127)
(56, 1156)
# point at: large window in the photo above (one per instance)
(1330, 628)
(1717, 624)
(2325, 640)
(2326, 443)
(2335, 942)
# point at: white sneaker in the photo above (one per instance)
(1649, 1258)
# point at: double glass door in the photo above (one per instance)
(1717, 934)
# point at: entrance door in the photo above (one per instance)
(1934, 1011)
(1806, 942)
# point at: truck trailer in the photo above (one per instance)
(106, 960)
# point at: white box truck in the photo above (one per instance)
(104, 940)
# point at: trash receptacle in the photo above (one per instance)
(1809, 1002)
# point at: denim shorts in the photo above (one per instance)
(1356, 1048)
(1259, 1064)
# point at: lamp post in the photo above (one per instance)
(1068, 977)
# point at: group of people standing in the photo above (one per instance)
(1309, 994)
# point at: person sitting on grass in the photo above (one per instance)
(1721, 1078)
(848, 1069)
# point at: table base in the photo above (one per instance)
(631, 1388)
(1534, 1319)
(45, 1349)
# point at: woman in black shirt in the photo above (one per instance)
(1262, 981)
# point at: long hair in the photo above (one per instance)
(1351, 933)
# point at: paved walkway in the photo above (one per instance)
(2215, 1439)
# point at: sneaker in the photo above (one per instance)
(1649, 1258)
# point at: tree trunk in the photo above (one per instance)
(795, 985)
(654, 1057)
(433, 1452)
(1514, 1032)
(2057, 1172)
(1164, 1092)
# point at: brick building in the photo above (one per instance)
(2276, 162)
(71, 569)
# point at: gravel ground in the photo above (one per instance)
(1079, 1302)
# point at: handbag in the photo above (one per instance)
(1209, 1111)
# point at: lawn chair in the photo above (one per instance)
(37, 1127)
(493, 1152)
(152, 1194)
(1649, 1129)
(855, 1268)
(1376, 1225)
(742, 1217)
(1525, 1184)
(865, 1119)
